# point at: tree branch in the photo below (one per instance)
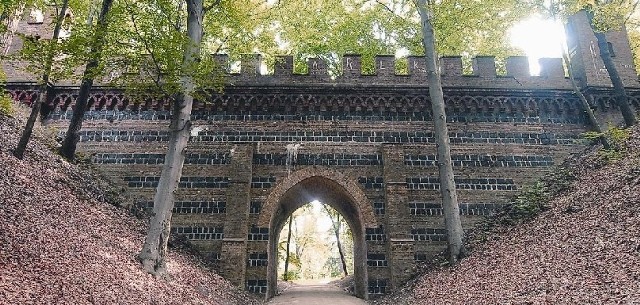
(156, 79)
(209, 7)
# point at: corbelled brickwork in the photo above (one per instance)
(362, 143)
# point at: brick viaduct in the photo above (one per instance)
(361, 143)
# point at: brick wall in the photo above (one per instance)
(233, 166)
(368, 139)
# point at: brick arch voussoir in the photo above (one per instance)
(364, 208)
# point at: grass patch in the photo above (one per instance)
(6, 105)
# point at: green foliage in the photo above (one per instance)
(291, 275)
(616, 137)
(334, 266)
(529, 202)
(534, 199)
(330, 28)
(634, 39)
(6, 106)
(607, 15)
(146, 52)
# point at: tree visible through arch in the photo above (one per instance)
(341, 193)
(315, 244)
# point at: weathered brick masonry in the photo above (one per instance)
(361, 143)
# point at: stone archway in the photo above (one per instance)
(341, 192)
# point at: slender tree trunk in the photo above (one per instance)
(447, 182)
(44, 86)
(591, 117)
(336, 229)
(9, 18)
(153, 253)
(72, 137)
(335, 223)
(285, 276)
(91, 12)
(618, 87)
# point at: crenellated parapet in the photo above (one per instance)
(484, 74)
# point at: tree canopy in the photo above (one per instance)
(326, 29)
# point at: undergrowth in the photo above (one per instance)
(535, 198)
(616, 137)
(526, 205)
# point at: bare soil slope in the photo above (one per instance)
(584, 250)
(59, 244)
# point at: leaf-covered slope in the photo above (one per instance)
(59, 245)
(584, 250)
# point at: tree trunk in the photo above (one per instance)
(72, 137)
(593, 122)
(44, 86)
(618, 87)
(447, 183)
(9, 18)
(336, 229)
(153, 253)
(285, 276)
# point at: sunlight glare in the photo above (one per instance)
(323, 222)
(538, 38)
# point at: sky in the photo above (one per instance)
(539, 38)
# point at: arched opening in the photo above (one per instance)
(316, 247)
(308, 188)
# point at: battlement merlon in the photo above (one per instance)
(552, 73)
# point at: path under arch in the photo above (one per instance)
(326, 294)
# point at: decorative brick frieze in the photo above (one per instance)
(376, 260)
(262, 182)
(484, 184)
(153, 159)
(375, 234)
(257, 286)
(200, 233)
(429, 234)
(257, 259)
(319, 159)
(371, 182)
(114, 115)
(435, 209)
(191, 207)
(258, 234)
(482, 160)
(126, 115)
(377, 286)
(410, 104)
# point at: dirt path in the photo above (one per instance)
(315, 295)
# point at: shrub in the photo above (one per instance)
(616, 137)
(534, 199)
